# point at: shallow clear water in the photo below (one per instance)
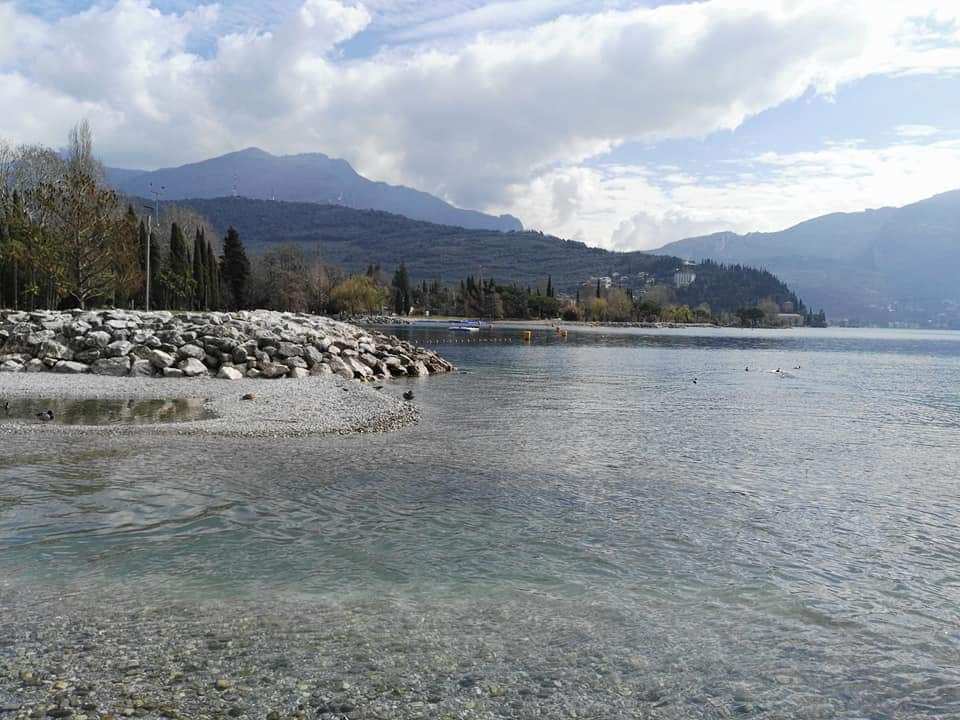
(798, 533)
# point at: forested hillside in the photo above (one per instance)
(355, 239)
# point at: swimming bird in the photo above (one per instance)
(6, 406)
(694, 381)
(46, 415)
(747, 369)
(408, 395)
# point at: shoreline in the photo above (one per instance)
(317, 405)
(309, 374)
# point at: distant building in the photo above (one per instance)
(684, 275)
(790, 319)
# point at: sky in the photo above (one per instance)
(623, 124)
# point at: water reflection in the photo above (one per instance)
(105, 412)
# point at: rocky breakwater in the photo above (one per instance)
(251, 344)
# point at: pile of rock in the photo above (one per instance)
(257, 344)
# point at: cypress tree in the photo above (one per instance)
(158, 292)
(179, 272)
(213, 277)
(598, 289)
(235, 269)
(549, 286)
(201, 300)
(401, 291)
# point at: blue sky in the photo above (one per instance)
(623, 124)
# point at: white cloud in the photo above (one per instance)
(916, 131)
(499, 114)
(623, 207)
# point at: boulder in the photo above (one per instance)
(53, 349)
(87, 356)
(359, 369)
(191, 367)
(11, 366)
(98, 339)
(288, 350)
(118, 348)
(321, 369)
(339, 367)
(417, 369)
(191, 351)
(115, 366)
(312, 355)
(70, 367)
(36, 365)
(273, 370)
(160, 359)
(170, 372)
(298, 373)
(229, 373)
(141, 368)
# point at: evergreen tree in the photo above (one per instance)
(598, 288)
(158, 294)
(201, 299)
(549, 286)
(213, 278)
(401, 291)
(179, 275)
(235, 268)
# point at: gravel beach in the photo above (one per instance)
(312, 405)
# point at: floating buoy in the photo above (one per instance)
(527, 336)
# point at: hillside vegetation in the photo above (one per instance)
(354, 239)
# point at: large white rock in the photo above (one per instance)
(229, 373)
(191, 367)
(70, 368)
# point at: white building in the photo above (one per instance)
(684, 275)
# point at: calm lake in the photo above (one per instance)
(752, 543)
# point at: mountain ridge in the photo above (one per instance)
(305, 177)
(880, 265)
(353, 239)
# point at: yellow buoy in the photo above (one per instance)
(527, 336)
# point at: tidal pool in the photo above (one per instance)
(105, 412)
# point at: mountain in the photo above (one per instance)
(891, 265)
(354, 239)
(312, 177)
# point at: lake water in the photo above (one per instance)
(754, 543)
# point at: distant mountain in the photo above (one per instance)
(353, 239)
(879, 266)
(312, 177)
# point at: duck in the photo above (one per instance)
(694, 381)
(46, 415)
(408, 395)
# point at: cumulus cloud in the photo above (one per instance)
(500, 113)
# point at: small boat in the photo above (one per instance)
(465, 326)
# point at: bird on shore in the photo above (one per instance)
(46, 415)
(408, 395)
